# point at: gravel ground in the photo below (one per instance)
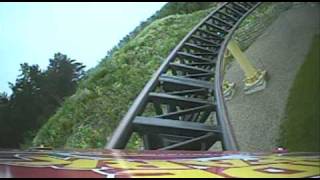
(280, 50)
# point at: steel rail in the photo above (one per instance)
(123, 132)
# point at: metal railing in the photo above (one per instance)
(125, 129)
(229, 140)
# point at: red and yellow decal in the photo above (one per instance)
(149, 164)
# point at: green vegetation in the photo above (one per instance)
(102, 99)
(88, 118)
(301, 127)
(36, 95)
(257, 22)
(171, 8)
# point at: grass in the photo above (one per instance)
(300, 130)
(88, 118)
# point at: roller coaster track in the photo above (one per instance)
(172, 111)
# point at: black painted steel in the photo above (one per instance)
(172, 110)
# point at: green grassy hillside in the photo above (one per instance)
(93, 112)
(87, 118)
(301, 126)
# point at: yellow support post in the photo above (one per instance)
(254, 78)
(228, 87)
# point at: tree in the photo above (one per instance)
(35, 96)
(25, 103)
(62, 76)
(4, 116)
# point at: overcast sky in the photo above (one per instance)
(33, 32)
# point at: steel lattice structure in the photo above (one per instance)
(172, 110)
